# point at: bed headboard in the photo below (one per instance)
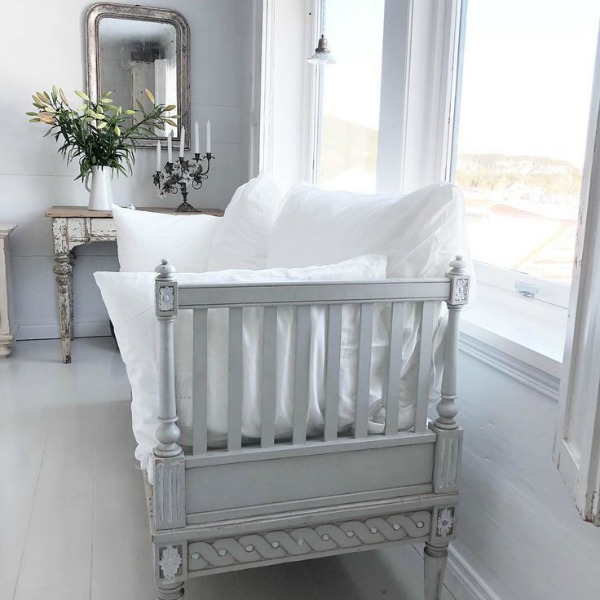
(171, 297)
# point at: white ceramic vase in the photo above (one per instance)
(100, 189)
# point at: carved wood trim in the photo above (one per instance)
(448, 451)
(169, 493)
(444, 524)
(307, 541)
(170, 569)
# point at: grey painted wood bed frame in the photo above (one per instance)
(246, 506)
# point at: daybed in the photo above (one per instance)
(301, 380)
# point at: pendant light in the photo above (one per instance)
(322, 55)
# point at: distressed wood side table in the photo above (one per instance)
(5, 300)
(74, 226)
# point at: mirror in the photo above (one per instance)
(130, 48)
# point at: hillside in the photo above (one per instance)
(535, 178)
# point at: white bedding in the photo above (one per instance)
(129, 298)
(416, 235)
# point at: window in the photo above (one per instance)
(350, 95)
(419, 142)
(527, 70)
(361, 100)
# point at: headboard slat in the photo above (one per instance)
(200, 380)
(425, 362)
(301, 374)
(394, 368)
(235, 380)
(269, 377)
(332, 372)
(365, 341)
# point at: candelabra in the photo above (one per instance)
(182, 174)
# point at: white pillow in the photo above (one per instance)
(242, 240)
(129, 299)
(419, 233)
(144, 238)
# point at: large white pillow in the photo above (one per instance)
(144, 238)
(242, 240)
(129, 299)
(419, 232)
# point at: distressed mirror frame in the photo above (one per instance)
(103, 10)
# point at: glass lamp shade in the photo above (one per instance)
(322, 55)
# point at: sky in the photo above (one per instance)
(527, 77)
(354, 29)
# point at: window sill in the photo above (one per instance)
(518, 335)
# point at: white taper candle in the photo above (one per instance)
(196, 138)
(182, 143)
(170, 147)
(158, 165)
(208, 136)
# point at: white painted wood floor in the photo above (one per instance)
(73, 522)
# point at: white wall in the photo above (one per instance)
(518, 527)
(44, 45)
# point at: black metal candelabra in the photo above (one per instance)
(180, 175)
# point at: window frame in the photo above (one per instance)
(505, 279)
(577, 442)
(393, 102)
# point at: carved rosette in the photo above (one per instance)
(459, 282)
(166, 298)
(460, 290)
(170, 562)
(255, 548)
(445, 522)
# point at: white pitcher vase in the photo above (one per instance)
(100, 190)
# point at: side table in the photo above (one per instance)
(5, 300)
(74, 226)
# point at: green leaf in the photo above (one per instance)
(83, 95)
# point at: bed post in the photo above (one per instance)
(168, 497)
(449, 438)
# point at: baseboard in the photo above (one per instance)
(463, 581)
(531, 376)
(46, 331)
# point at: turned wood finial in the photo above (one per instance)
(458, 297)
(165, 270)
(166, 311)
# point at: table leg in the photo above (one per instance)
(63, 269)
(72, 258)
